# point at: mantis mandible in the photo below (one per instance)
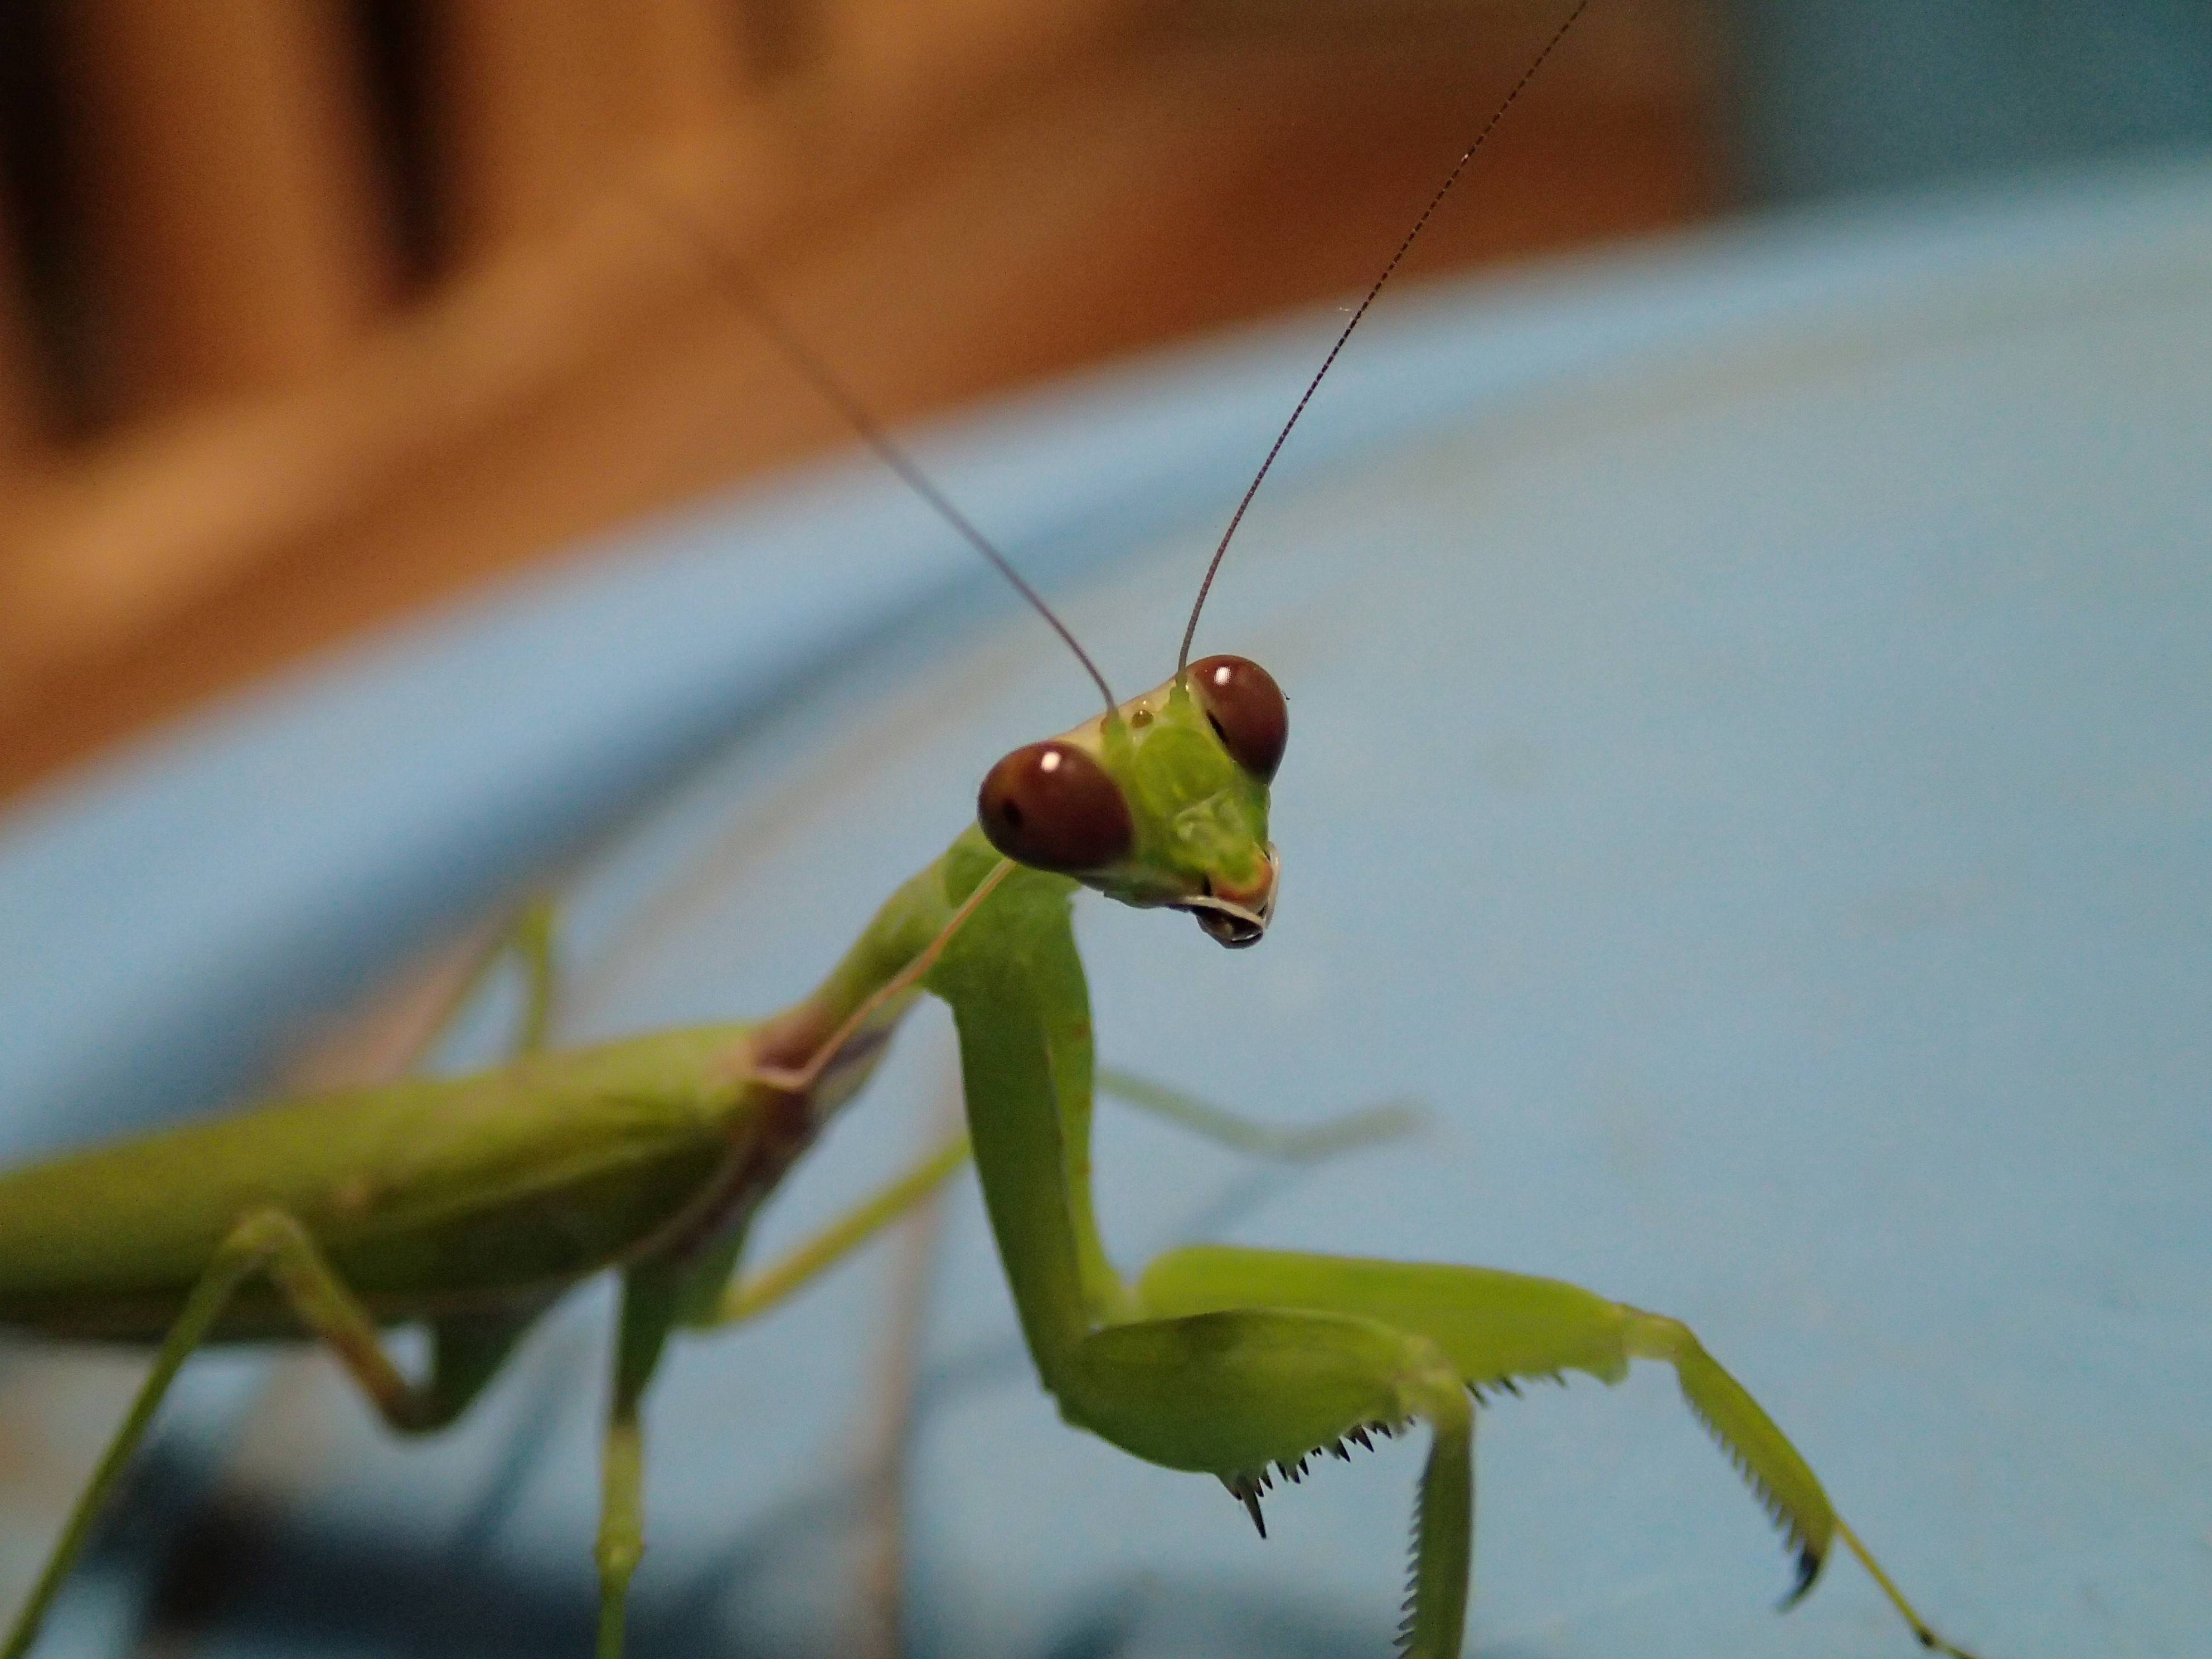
(469, 1205)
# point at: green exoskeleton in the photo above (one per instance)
(469, 1205)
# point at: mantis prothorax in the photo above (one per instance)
(468, 1206)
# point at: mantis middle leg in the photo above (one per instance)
(758, 1292)
(655, 1294)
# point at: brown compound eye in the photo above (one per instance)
(1052, 807)
(1248, 711)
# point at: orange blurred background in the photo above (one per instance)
(315, 314)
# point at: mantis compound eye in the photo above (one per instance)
(1052, 807)
(1248, 711)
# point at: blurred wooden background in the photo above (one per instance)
(316, 312)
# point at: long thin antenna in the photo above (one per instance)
(1205, 587)
(834, 391)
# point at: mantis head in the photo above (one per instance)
(1161, 802)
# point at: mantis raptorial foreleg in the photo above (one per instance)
(1235, 1391)
(1496, 1326)
(270, 1242)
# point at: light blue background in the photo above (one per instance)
(1751, 773)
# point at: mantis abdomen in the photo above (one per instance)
(430, 1196)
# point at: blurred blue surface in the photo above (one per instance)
(1830, 96)
(1752, 772)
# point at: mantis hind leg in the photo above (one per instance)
(1494, 1327)
(1307, 1143)
(467, 1355)
(527, 938)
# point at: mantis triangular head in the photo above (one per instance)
(1161, 801)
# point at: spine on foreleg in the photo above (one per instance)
(1783, 1483)
(1443, 1532)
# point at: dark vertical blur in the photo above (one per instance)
(394, 37)
(41, 279)
(1849, 95)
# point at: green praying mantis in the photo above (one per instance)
(469, 1205)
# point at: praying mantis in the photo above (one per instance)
(469, 1205)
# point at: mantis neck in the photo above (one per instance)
(1014, 982)
(918, 910)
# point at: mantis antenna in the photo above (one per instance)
(1205, 587)
(751, 297)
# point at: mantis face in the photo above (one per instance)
(1162, 802)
